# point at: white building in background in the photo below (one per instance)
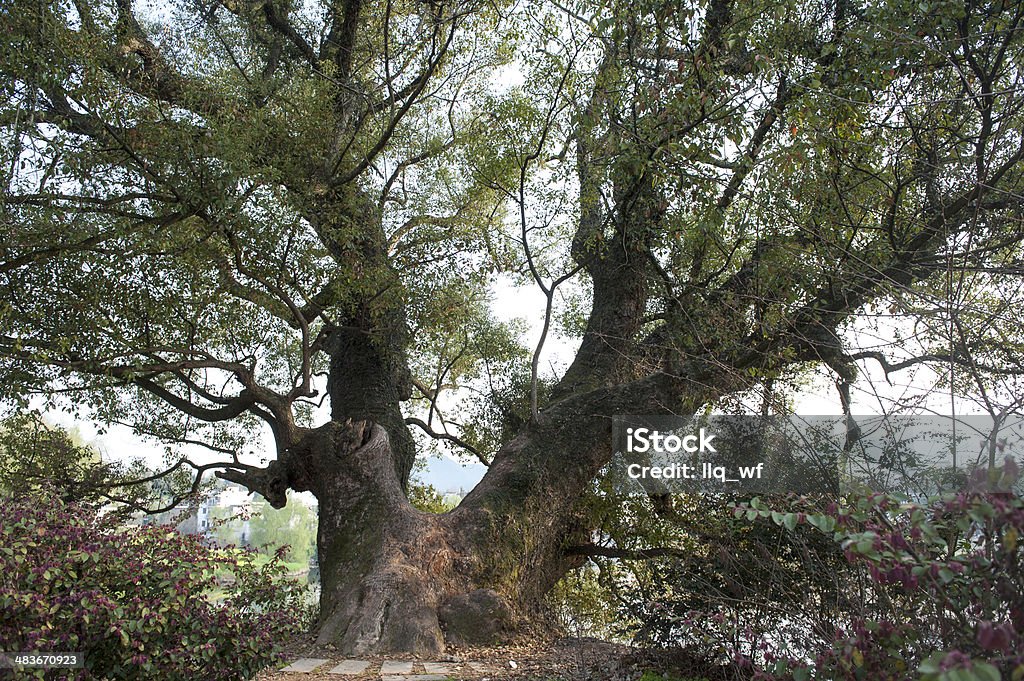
(237, 503)
(205, 517)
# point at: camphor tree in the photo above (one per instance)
(209, 205)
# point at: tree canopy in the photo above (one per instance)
(217, 214)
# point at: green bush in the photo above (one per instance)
(941, 587)
(135, 600)
(863, 587)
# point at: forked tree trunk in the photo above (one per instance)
(398, 580)
(395, 579)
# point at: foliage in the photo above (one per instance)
(34, 454)
(182, 237)
(293, 527)
(928, 590)
(652, 676)
(582, 605)
(426, 498)
(213, 213)
(942, 584)
(467, 355)
(135, 600)
(713, 572)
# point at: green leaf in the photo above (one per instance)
(984, 671)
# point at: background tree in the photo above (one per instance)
(37, 457)
(34, 454)
(211, 205)
(293, 526)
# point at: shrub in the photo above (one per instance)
(723, 582)
(940, 587)
(137, 601)
(870, 587)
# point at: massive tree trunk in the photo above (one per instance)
(383, 563)
(395, 579)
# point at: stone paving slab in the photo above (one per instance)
(392, 667)
(350, 667)
(390, 670)
(444, 668)
(304, 664)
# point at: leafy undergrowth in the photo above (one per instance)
(863, 587)
(136, 600)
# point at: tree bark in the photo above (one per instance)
(383, 563)
(395, 579)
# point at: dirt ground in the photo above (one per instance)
(565, 659)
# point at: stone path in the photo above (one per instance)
(392, 668)
(389, 670)
(304, 664)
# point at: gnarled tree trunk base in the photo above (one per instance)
(398, 580)
(392, 578)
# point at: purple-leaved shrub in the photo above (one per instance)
(137, 601)
(939, 588)
(869, 587)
